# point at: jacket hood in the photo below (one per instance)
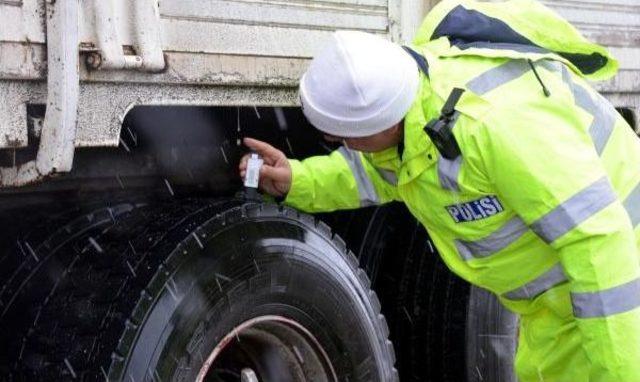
(523, 26)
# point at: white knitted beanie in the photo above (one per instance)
(359, 85)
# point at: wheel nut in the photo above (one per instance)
(248, 375)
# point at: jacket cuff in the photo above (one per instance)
(300, 191)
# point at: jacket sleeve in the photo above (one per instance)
(345, 179)
(544, 166)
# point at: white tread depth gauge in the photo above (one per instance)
(252, 177)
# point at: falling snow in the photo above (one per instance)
(95, 245)
(120, 181)
(289, 145)
(282, 121)
(166, 182)
(124, 145)
(195, 236)
(224, 155)
(406, 312)
(134, 137)
(133, 272)
(73, 372)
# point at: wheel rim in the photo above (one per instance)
(268, 348)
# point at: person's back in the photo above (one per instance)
(542, 202)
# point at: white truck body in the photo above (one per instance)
(207, 52)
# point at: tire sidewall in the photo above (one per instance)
(236, 268)
(492, 338)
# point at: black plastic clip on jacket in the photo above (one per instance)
(441, 130)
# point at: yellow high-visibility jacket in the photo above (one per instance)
(542, 208)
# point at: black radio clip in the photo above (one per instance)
(440, 130)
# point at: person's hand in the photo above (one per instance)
(275, 173)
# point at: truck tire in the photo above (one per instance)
(459, 332)
(195, 290)
(430, 315)
(444, 329)
(491, 338)
(448, 330)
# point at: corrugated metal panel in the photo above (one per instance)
(9, 13)
(264, 28)
(21, 21)
(612, 23)
(250, 27)
(291, 14)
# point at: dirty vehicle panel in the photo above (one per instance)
(180, 52)
(263, 44)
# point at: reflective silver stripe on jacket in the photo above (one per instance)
(493, 78)
(620, 299)
(366, 190)
(496, 77)
(493, 243)
(388, 175)
(632, 205)
(448, 171)
(553, 277)
(604, 115)
(575, 210)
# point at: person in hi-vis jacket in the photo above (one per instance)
(527, 180)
